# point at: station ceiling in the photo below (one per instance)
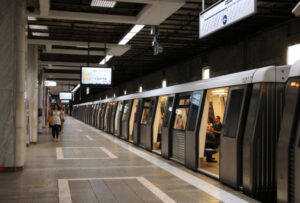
(179, 34)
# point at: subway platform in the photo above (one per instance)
(88, 165)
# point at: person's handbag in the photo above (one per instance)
(50, 119)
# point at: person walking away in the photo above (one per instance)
(56, 123)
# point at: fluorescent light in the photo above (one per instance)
(50, 83)
(106, 59)
(40, 34)
(205, 73)
(76, 88)
(141, 89)
(114, 95)
(164, 83)
(65, 101)
(125, 92)
(131, 34)
(124, 41)
(38, 27)
(82, 47)
(137, 28)
(293, 54)
(31, 18)
(103, 3)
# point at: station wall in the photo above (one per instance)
(268, 47)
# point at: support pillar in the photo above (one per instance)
(12, 82)
(32, 91)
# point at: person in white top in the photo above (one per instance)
(56, 123)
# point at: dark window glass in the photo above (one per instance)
(168, 112)
(196, 101)
(233, 113)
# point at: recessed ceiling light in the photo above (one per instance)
(31, 18)
(40, 34)
(103, 3)
(38, 27)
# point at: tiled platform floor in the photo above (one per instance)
(88, 165)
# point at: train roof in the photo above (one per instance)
(265, 74)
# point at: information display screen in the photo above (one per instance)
(96, 76)
(65, 95)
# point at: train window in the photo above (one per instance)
(233, 112)
(136, 115)
(181, 114)
(168, 112)
(151, 110)
(126, 111)
(146, 111)
(196, 101)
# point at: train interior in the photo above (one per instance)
(157, 125)
(132, 117)
(209, 133)
(116, 118)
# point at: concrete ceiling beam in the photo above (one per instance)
(154, 13)
(76, 52)
(58, 63)
(44, 7)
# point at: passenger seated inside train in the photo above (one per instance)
(213, 137)
(179, 122)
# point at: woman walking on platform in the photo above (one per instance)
(56, 123)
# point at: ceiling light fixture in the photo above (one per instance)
(136, 29)
(76, 88)
(31, 18)
(103, 3)
(106, 59)
(40, 34)
(38, 27)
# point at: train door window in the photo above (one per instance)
(125, 111)
(132, 118)
(158, 122)
(182, 110)
(146, 111)
(106, 114)
(168, 112)
(116, 118)
(233, 112)
(195, 104)
(210, 130)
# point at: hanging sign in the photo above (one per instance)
(224, 14)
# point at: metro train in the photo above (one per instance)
(257, 149)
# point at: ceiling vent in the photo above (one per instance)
(103, 3)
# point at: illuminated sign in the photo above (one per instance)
(96, 76)
(50, 83)
(224, 14)
(65, 95)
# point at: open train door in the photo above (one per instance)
(192, 129)
(232, 135)
(288, 148)
(166, 127)
(136, 125)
